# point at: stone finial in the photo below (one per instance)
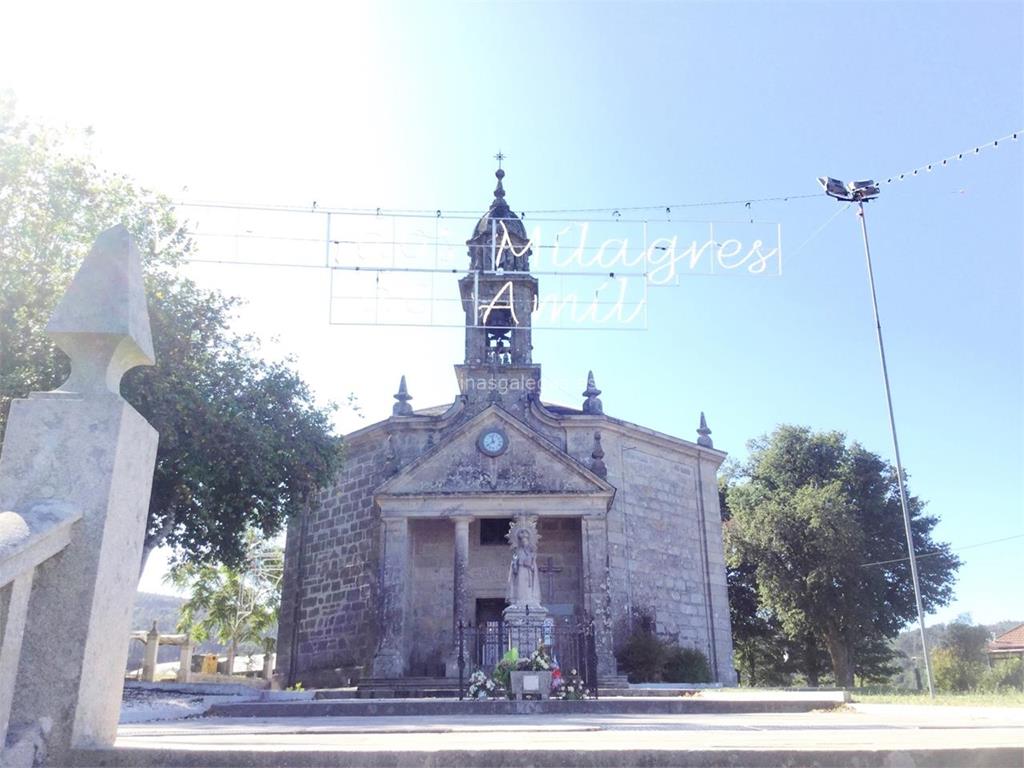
(402, 407)
(703, 433)
(592, 404)
(102, 322)
(499, 191)
(597, 465)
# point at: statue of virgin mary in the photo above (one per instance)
(523, 577)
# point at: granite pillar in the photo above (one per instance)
(391, 656)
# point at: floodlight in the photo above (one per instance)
(850, 192)
(863, 190)
(834, 188)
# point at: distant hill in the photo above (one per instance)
(163, 609)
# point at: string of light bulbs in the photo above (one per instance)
(438, 213)
(615, 212)
(944, 162)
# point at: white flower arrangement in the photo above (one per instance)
(482, 687)
(572, 687)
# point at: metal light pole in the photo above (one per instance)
(859, 192)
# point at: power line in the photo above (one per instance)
(944, 551)
(472, 215)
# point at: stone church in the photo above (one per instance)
(412, 536)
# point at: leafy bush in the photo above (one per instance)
(647, 658)
(502, 675)
(1005, 675)
(953, 673)
(642, 657)
(685, 665)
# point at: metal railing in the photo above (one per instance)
(567, 641)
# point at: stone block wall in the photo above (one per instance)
(432, 587)
(560, 541)
(329, 598)
(664, 539)
(656, 544)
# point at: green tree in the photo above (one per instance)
(232, 604)
(820, 521)
(958, 663)
(242, 442)
(762, 654)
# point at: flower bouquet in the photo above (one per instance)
(571, 687)
(483, 687)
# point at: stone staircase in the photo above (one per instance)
(401, 688)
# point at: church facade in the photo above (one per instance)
(412, 536)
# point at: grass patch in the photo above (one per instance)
(1002, 699)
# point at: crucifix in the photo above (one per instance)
(549, 569)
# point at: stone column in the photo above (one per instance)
(460, 603)
(83, 446)
(268, 666)
(461, 608)
(389, 661)
(596, 595)
(185, 661)
(152, 650)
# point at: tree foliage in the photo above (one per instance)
(958, 662)
(242, 442)
(232, 605)
(817, 530)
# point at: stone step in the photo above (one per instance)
(404, 688)
(412, 706)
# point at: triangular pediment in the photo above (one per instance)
(529, 464)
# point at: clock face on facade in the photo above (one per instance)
(492, 442)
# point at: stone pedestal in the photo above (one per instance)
(525, 627)
(525, 684)
(79, 618)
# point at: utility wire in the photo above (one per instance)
(819, 230)
(944, 551)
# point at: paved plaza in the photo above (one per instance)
(854, 735)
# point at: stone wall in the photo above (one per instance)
(432, 595)
(663, 541)
(656, 543)
(333, 565)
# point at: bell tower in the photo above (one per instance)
(498, 296)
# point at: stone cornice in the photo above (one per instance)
(606, 423)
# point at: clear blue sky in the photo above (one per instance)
(613, 105)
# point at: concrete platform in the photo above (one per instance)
(854, 735)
